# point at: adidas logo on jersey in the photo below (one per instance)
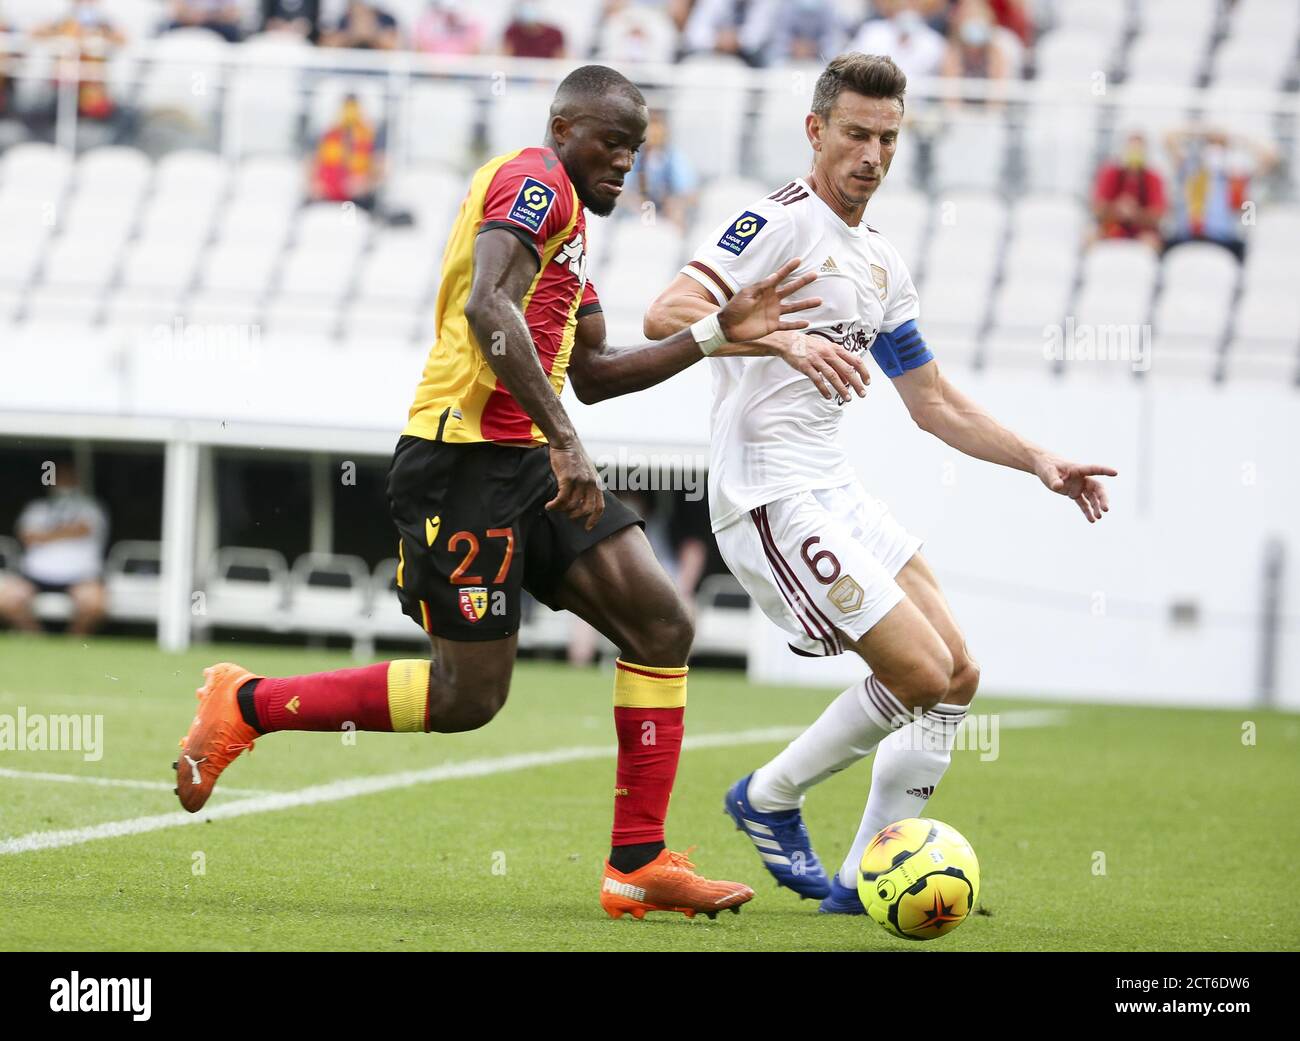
(829, 266)
(922, 793)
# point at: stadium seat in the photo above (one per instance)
(399, 269)
(185, 74)
(780, 142)
(1104, 19)
(11, 554)
(236, 268)
(1273, 368)
(1059, 140)
(706, 115)
(1154, 59)
(1266, 320)
(246, 588)
(970, 152)
(35, 172)
(328, 593)
(438, 121)
(1253, 61)
(189, 174)
(902, 215)
(385, 618)
(132, 575)
(1198, 284)
(721, 617)
(515, 118)
(1052, 223)
(1179, 22)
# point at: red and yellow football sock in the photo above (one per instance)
(392, 696)
(649, 705)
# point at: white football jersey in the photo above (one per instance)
(773, 434)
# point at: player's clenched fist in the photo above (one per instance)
(580, 494)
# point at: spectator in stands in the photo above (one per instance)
(678, 11)
(300, 17)
(972, 51)
(738, 27)
(1014, 16)
(218, 16)
(1212, 172)
(806, 30)
(349, 162)
(1128, 198)
(96, 37)
(529, 36)
(364, 27)
(903, 34)
(448, 27)
(663, 176)
(63, 538)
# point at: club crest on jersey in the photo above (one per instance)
(573, 256)
(846, 594)
(473, 602)
(881, 278)
(742, 232)
(532, 204)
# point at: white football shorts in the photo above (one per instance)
(820, 564)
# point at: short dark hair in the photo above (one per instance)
(590, 82)
(872, 75)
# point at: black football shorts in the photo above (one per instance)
(474, 531)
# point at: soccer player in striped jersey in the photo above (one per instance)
(824, 559)
(493, 494)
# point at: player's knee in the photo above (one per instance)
(965, 681)
(665, 639)
(467, 713)
(925, 683)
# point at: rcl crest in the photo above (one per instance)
(573, 254)
(473, 602)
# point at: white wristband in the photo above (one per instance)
(708, 334)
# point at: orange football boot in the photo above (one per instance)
(217, 735)
(669, 883)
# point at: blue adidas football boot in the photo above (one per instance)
(842, 900)
(782, 843)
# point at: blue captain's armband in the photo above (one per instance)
(900, 350)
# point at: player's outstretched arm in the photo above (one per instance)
(599, 371)
(832, 369)
(939, 408)
(503, 271)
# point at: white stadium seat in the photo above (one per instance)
(246, 588)
(132, 577)
(328, 593)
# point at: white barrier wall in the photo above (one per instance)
(1051, 605)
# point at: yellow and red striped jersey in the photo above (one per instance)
(528, 193)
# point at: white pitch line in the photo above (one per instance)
(337, 791)
(112, 782)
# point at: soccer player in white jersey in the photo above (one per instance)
(825, 560)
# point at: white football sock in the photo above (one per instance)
(852, 725)
(909, 765)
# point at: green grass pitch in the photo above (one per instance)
(1198, 830)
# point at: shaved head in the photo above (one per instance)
(596, 126)
(589, 83)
